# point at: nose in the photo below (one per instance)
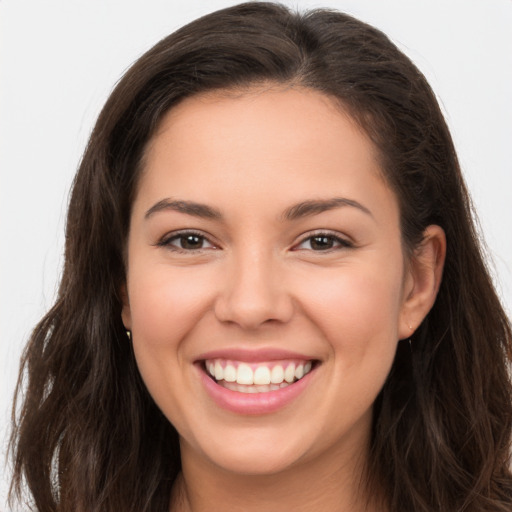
(253, 293)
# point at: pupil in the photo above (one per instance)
(191, 242)
(321, 242)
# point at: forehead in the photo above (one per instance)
(288, 143)
(273, 117)
(289, 106)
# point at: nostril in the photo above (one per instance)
(253, 311)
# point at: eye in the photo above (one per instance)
(186, 241)
(323, 242)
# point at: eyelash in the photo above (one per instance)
(332, 237)
(166, 241)
(342, 242)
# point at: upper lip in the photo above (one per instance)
(253, 356)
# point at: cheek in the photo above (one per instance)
(162, 307)
(357, 297)
(357, 315)
(357, 312)
(164, 304)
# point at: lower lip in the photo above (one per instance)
(253, 403)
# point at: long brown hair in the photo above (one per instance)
(90, 438)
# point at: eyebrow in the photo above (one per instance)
(314, 207)
(297, 211)
(189, 207)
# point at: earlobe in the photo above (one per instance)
(424, 274)
(125, 311)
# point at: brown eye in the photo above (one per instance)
(190, 242)
(186, 242)
(323, 242)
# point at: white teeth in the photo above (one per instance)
(262, 375)
(277, 374)
(289, 373)
(260, 380)
(230, 373)
(244, 374)
(219, 372)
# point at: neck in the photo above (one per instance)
(330, 482)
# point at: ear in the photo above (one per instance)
(424, 272)
(126, 314)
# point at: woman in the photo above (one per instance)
(273, 294)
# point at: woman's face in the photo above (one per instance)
(265, 246)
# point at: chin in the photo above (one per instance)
(254, 453)
(254, 463)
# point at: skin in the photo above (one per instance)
(256, 280)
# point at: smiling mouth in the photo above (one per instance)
(257, 377)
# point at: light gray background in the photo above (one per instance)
(60, 58)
